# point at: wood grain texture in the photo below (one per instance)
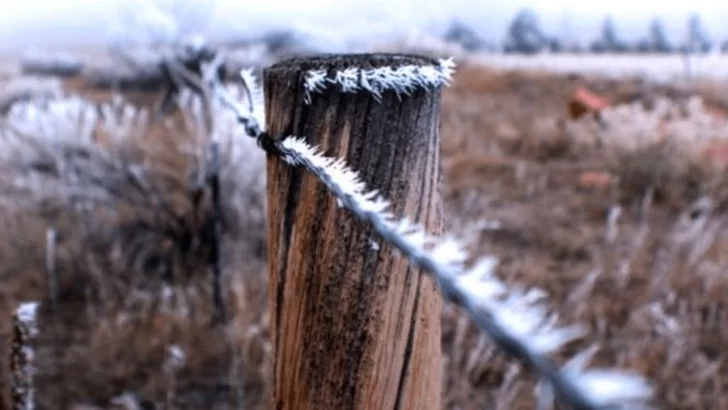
(353, 326)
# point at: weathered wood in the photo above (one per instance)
(354, 325)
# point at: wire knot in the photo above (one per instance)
(268, 144)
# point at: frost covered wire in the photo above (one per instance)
(22, 356)
(517, 321)
(401, 80)
(251, 117)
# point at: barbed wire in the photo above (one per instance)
(517, 321)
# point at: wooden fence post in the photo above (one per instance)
(354, 325)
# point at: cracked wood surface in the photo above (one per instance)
(353, 325)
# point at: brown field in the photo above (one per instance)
(650, 283)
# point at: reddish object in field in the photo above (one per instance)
(595, 179)
(717, 113)
(584, 102)
(716, 155)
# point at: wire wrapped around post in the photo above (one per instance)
(354, 326)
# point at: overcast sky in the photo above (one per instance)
(48, 23)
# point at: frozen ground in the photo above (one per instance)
(657, 67)
(654, 67)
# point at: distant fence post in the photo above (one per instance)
(22, 356)
(354, 326)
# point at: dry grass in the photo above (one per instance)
(133, 217)
(640, 259)
(649, 283)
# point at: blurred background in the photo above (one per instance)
(584, 145)
(525, 25)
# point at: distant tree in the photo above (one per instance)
(555, 45)
(461, 34)
(697, 40)
(609, 41)
(644, 46)
(656, 40)
(575, 48)
(525, 34)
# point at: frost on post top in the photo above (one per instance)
(374, 73)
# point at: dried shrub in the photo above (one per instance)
(128, 199)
